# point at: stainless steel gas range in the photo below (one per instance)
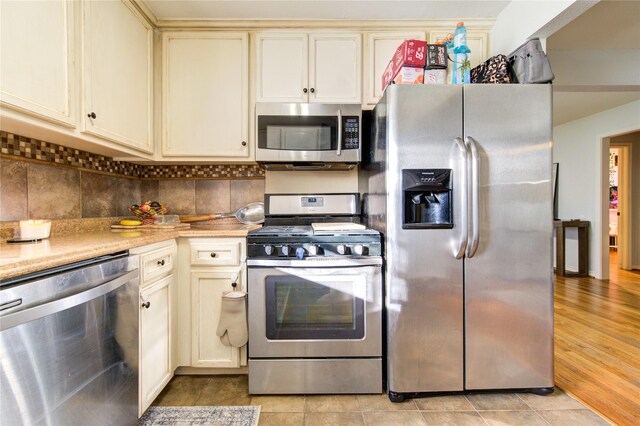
(315, 298)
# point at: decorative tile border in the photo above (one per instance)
(34, 149)
(206, 171)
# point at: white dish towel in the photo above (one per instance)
(232, 326)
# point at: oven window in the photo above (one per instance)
(298, 133)
(327, 308)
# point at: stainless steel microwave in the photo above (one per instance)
(308, 136)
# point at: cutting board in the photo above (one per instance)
(171, 226)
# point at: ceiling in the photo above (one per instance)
(609, 24)
(324, 9)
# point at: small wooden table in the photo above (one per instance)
(583, 247)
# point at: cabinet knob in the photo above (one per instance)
(161, 262)
(146, 305)
(244, 143)
(304, 90)
(213, 255)
(92, 115)
(313, 90)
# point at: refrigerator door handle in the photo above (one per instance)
(464, 191)
(475, 196)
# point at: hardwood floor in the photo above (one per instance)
(597, 342)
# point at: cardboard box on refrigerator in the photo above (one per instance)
(409, 56)
(409, 75)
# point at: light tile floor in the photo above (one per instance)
(498, 409)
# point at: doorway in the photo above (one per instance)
(622, 223)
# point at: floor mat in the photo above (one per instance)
(214, 416)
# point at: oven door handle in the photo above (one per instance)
(339, 150)
(322, 262)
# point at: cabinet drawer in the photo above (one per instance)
(157, 263)
(215, 254)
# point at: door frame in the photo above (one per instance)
(625, 192)
(601, 236)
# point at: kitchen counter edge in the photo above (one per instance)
(25, 258)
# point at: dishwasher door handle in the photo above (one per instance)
(11, 320)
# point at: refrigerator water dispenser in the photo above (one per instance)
(426, 198)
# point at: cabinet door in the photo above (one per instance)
(335, 68)
(37, 66)
(118, 69)
(282, 67)
(477, 42)
(155, 340)
(206, 294)
(205, 104)
(379, 51)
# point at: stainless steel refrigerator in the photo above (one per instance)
(459, 184)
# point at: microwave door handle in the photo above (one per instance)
(339, 151)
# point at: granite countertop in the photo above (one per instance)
(24, 258)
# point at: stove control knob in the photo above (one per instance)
(285, 250)
(313, 249)
(358, 249)
(342, 249)
(268, 250)
(300, 253)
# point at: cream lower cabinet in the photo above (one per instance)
(323, 67)
(155, 340)
(208, 268)
(157, 320)
(205, 101)
(206, 293)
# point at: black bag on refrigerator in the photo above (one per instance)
(530, 64)
(494, 70)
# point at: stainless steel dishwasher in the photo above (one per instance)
(69, 344)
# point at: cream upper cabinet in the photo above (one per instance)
(37, 74)
(309, 67)
(282, 64)
(476, 40)
(205, 105)
(118, 74)
(379, 50)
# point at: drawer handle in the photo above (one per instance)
(161, 262)
(213, 254)
(146, 305)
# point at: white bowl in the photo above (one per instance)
(34, 229)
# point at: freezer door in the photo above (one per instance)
(423, 276)
(508, 275)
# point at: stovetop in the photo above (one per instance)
(286, 241)
(285, 231)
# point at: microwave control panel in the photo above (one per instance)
(350, 132)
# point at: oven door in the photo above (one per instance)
(310, 310)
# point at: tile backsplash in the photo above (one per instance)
(40, 180)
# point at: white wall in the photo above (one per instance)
(523, 19)
(578, 150)
(318, 182)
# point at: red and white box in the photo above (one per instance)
(410, 54)
(409, 75)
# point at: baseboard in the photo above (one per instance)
(181, 371)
